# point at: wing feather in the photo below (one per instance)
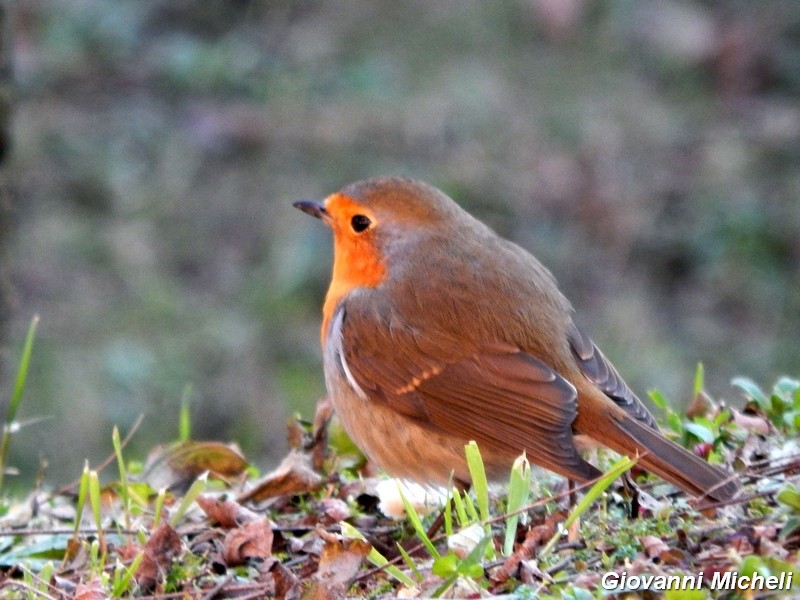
(494, 393)
(597, 369)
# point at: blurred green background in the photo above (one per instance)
(647, 151)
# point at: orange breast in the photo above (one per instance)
(357, 261)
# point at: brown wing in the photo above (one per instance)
(601, 372)
(494, 394)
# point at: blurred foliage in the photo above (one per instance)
(646, 151)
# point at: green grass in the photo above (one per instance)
(10, 425)
(494, 540)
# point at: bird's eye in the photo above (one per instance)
(360, 223)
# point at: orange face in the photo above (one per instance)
(356, 258)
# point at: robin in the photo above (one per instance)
(437, 331)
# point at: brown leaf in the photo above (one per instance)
(226, 513)
(530, 574)
(741, 544)
(251, 540)
(280, 581)
(92, 590)
(127, 552)
(296, 434)
(159, 551)
(294, 475)
(654, 547)
(176, 466)
(339, 563)
(535, 536)
(333, 510)
(75, 556)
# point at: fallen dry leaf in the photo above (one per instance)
(281, 582)
(91, 590)
(654, 547)
(178, 465)
(535, 536)
(339, 563)
(251, 540)
(226, 513)
(75, 556)
(296, 434)
(159, 551)
(333, 510)
(531, 574)
(294, 475)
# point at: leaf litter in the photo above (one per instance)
(282, 535)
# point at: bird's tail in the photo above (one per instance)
(669, 461)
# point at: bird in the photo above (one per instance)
(436, 331)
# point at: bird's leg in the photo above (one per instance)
(458, 488)
(573, 495)
(631, 493)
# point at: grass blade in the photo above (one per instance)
(519, 487)
(416, 523)
(22, 373)
(124, 575)
(472, 512)
(96, 504)
(479, 482)
(699, 380)
(409, 561)
(195, 490)
(16, 395)
(123, 477)
(83, 492)
(376, 558)
(461, 512)
(185, 418)
(448, 514)
(158, 507)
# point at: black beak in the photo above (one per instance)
(315, 209)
